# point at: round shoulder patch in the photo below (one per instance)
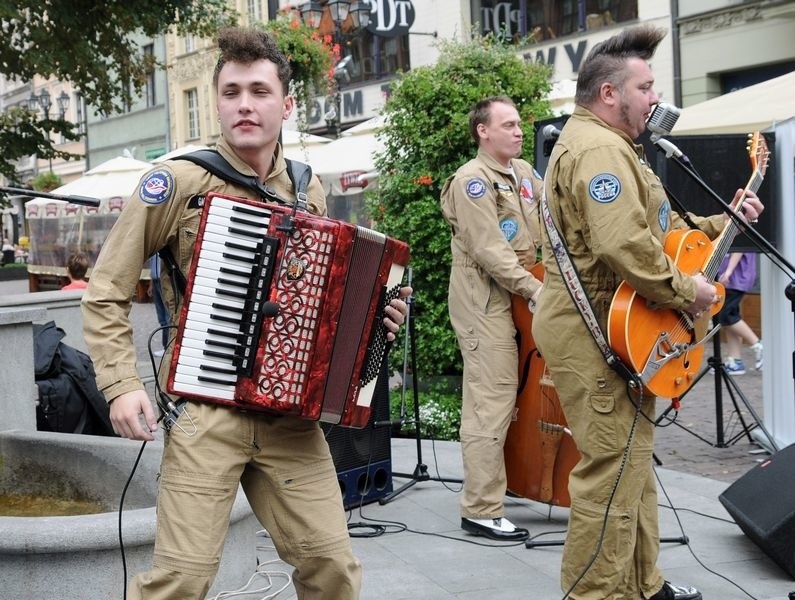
(156, 188)
(604, 188)
(476, 188)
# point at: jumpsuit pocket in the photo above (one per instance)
(602, 429)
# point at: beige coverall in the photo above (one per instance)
(494, 219)
(283, 463)
(613, 214)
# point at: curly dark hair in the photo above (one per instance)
(606, 61)
(246, 45)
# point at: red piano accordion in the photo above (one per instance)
(283, 312)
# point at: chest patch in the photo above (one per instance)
(476, 188)
(526, 190)
(604, 188)
(157, 187)
(662, 216)
(509, 228)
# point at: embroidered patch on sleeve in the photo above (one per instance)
(476, 188)
(604, 188)
(509, 228)
(665, 211)
(157, 187)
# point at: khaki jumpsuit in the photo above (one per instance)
(613, 214)
(494, 221)
(283, 463)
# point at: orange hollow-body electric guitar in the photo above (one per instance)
(666, 346)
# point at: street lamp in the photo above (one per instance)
(44, 100)
(339, 10)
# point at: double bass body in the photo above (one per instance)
(539, 450)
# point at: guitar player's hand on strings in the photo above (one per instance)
(752, 206)
(706, 296)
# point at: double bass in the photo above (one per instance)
(539, 450)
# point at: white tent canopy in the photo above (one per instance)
(341, 163)
(755, 108)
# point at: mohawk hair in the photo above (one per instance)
(606, 61)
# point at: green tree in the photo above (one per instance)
(90, 44)
(426, 138)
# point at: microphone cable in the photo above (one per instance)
(156, 370)
(687, 543)
(624, 458)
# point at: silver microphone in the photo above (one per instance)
(550, 132)
(662, 119)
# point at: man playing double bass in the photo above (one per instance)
(491, 204)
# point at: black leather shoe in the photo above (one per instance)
(676, 592)
(500, 529)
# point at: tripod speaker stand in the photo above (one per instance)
(722, 377)
(420, 472)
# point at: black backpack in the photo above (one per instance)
(69, 401)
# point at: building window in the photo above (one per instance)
(149, 90)
(192, 110)
(254, 11)
(549, 19)
(376, 57)
(190, 43)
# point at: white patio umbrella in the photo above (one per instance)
(116, 177)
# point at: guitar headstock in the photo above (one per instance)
(758, 152)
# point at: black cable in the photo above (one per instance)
(121, 508)
(137, 461)
(624, 457)
(687, 543)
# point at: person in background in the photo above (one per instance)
(76, 269)
(491, 204)
(155, 292)
(283, 463)
(737, 273)
(613, 216)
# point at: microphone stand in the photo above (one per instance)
(420, 472)
(671, 151)
(84, 200)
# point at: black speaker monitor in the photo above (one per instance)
(762, 503)
(723, 162)
(363, 457)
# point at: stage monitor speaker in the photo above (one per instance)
(363, 457)
(762, 503)
(723, 163)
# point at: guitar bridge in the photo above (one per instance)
(662, 352)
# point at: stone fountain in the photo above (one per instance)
(79, 557)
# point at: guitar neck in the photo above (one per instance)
(725, 239)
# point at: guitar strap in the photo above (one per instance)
(580, 297)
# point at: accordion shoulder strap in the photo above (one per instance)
(300, 175)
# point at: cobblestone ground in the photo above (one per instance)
(692, 443)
